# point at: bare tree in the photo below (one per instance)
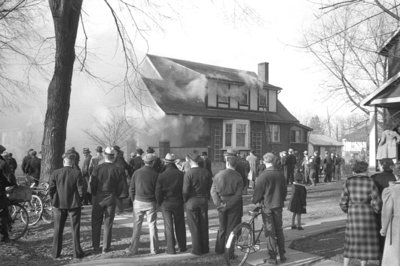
(115, 130)
(345, 41)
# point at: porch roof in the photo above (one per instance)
(387, 95)
(174, 102)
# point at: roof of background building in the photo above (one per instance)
(322, 140)
(358, 135)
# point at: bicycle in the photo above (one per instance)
(18, 220)
(244, 240)
(43, 194)
(34, 208)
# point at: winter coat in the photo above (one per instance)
(387, 146)
(390, 224)
(361, 201)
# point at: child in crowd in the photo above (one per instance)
(297, 204)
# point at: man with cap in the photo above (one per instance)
(169, 197)
(239, 167)
(270, 190)
(77, 157)
(87, 197)
(34, 167)
(206, 161)
(106, 188)
(6, 179)
(65, 190)
(131, 160)
(96, 160)
(12, 162)
(226, 192)
(196, 192)
(143, 195)
(158, 165)
(25, 162)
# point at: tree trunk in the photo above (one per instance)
(66, 20)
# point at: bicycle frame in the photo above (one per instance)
(254, 246)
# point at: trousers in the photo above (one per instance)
(272, 219)
(174, 225)
(60, 217)
(197, 219)
(99, 214)
(227, 221)
(140, 209)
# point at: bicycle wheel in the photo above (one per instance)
(18, 222)
(47, 214)
(239, 244)
(34, 208)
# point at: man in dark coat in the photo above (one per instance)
(87, 197)
(13, 163)
(65, 189)
(5, 181)
(143, 195)
(206, 161)
(138, 161)
(34, 167)
(158, 165)
(291, 162)
(196, 192)
(270, 191)
(106, 188)
(77, 157)
(25, 162)
(169, 197)
(226, 192)
(125, 173)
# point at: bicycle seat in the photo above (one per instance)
(255, 211)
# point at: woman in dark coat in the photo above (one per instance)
(297, 203)
(360, 200)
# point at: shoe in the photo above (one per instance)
(129, 252)
(300, 228)
(294, 227)
(283, 259)
(96, 250)
(80, 255)
(181, 250)
(106, 250)
(270, 261)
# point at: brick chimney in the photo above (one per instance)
(263, 72)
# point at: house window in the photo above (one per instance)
(295, 136)
(236, 134)
(262, 99)
(275, 133)
(223, 95)
(244, 97)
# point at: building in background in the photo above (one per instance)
(322, 144)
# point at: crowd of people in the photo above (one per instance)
(174, 186)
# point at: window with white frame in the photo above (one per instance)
(262, 99)
(236, 134)
(275, 131)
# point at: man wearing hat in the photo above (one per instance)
(169, 197)
(126, 171)
(106, 187)
(206, 161)
(158, 165)
(87, 197)
(143, 195)
(6, 179)
(65, 189)
(226, 192)
(34, 167)
(239, 166)
(270, 190)
(77, 157)
(196, 192)
(96, 160)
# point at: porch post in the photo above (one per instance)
(373, 133)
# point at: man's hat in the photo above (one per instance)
(193, 156)
(290, 150)
(149, 157)
(150, 150)
(116, 148)
(2, 148)
(109, 151)
(204, 153)
(86, 150)
(99, 149)
(139, 151)
(230, 152)
(170, 158)
(69, 155)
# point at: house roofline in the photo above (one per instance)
(388, 43)
(368, 100)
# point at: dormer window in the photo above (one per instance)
(223, 95)
(262, 100)
(244, 98)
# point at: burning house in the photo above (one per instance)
(212, 108)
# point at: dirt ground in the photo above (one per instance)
(35, 248)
